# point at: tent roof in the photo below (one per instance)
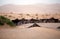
(34, 25)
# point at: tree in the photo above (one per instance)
(4, 20)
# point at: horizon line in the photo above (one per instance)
(30, 4)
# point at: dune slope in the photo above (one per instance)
(29, 33)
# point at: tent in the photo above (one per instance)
(34, 25)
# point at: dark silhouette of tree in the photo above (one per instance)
(16, 21)
(32, 20)
(58, 27)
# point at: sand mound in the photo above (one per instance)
(29, 33)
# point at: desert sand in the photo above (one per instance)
(13, 16)
(46, 31)
(22, 32)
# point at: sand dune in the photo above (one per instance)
(37, 8)
(46, 31)
(21, 32)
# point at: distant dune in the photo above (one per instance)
(37, 8)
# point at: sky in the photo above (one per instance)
(27, 2)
